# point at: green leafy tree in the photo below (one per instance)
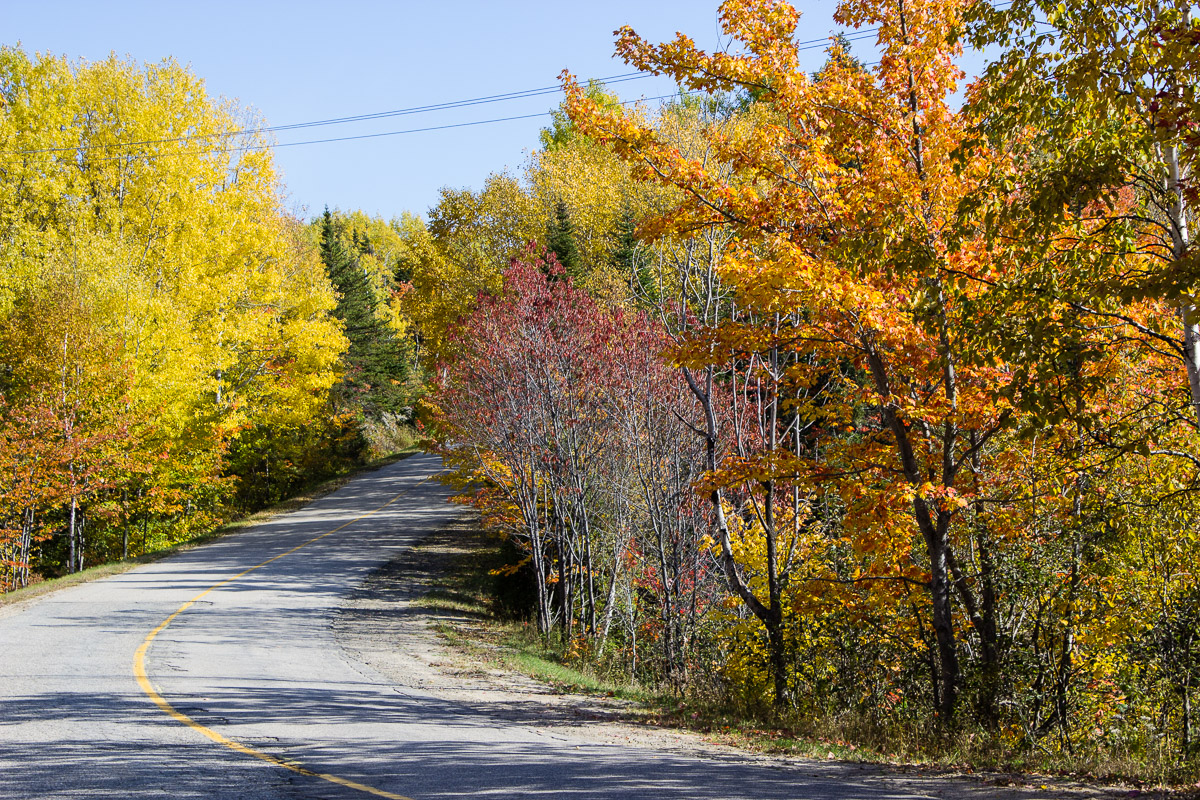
(1097, 102)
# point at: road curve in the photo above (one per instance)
(246, 694)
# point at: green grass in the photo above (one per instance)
(451, 601)
(916, 749)
(523, 650)
(293, 503)
(556, 674)
(507, 646)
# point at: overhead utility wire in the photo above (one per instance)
(497, 98)
(630, 76)
(810, 44)
(244, 148)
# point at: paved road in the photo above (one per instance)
(254, 678)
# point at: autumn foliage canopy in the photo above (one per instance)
(929, 350)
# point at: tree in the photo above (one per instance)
(1100, 103)
(852, 281)
(569, 418)
(172, 283)
(630, 258)
(560, 239)
(376, 361)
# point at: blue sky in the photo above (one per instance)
(301, 61)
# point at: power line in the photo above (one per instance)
(630, 76)
(810, 44)
(497, 98)
(817, 43)
(486, 99)
(244, 148)
(858, 35)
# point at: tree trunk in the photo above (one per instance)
(1187, 717)
(667, 605)
(590, 573)
(770, 615)
(125, 528)
(26, 544)
(1189, 313)
(943, 619)
(934, 527)
(71, 546)
(609, 605)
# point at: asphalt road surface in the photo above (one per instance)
(246, 694)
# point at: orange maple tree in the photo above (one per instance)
(854, 277)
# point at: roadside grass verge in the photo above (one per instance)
(468, 615)
(293, 503)
(515, 647)
(919, 750)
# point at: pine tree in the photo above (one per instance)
(631, 261)
(560, 238)
(376, 363)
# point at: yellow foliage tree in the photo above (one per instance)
(158, 210)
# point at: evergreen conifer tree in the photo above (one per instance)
(630, 260)
(376, 363)
(560, 239)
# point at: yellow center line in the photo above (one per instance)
(139, 670)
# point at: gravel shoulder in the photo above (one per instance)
(386, 626)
